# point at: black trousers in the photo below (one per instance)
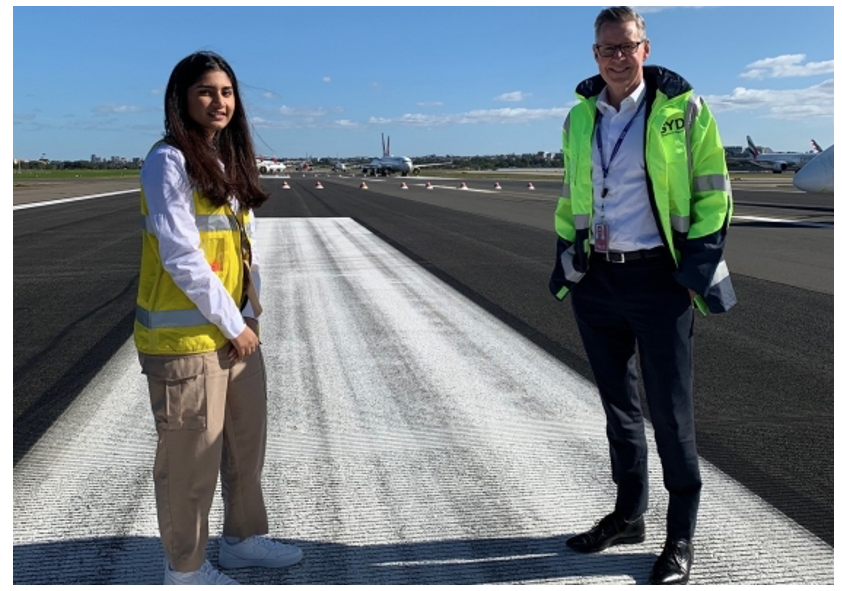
(618, 306)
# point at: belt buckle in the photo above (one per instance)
(617, 257)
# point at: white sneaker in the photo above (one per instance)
(206, 575)
(257, 551)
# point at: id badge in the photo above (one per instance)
(600, 231)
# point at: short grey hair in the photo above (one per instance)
(620, 14)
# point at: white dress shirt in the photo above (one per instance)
(169, 198)
(626, 207)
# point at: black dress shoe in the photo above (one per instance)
(673, 565)
(610, 530)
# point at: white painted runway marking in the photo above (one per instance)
(459, 188)
(71, 199)
(413, 438)
(752, 218)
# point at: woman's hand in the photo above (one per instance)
(246, 342)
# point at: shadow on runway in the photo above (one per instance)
(139, 561)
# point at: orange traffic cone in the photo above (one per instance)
(464, 185)
(403, 186)
(319, 185)
(530, 187)
(497, 186)
(363, 185)
(285, 186)
(429, 185)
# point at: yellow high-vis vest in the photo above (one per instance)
(167, 322)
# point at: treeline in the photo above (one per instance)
(501, 161)
(76, 165)
(539, 160)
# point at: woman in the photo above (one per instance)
(196, 326)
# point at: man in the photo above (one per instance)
(641, 226)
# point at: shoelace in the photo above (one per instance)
(213, 576)
(673, 554)
(268, 543)
(677, 552)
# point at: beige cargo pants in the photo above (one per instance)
(210, 415)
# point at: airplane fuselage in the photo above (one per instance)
(391, 164)
(817, 175)
(780, 162)
(269, 166)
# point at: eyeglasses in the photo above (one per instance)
(625, 48)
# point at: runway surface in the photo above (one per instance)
(432, 417)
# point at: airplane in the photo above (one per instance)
(339, 167)
(272, 165)
(816, 148)
(779, 161)
(388, 164)
(817, 175)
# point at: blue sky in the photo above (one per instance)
(327, 81)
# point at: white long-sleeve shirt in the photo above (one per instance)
(169, 198)
(626, 209)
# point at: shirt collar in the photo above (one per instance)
(630, 102)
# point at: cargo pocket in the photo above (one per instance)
(177, 392)
(187, 406)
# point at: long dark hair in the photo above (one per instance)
(232, 145)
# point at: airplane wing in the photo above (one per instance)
(431, 164)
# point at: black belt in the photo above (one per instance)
(624, 257)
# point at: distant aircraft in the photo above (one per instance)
(301, 165)
(816, 148)
(388, 164)
(339, 167)
(817, 175)
(779, 161)
(269, 166)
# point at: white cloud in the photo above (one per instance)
(431, 104)
(814, 101)
(304, 119)
(262, 123)
(305, 112)
(326, 79)
(268, 94)
(310, 118)
(507, 115)
(103, 110)
(786, 66)
(514, 97)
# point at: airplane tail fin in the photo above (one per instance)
(751, 147)
(816, 148)
(384, 142)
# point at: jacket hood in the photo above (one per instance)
(656, 77)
